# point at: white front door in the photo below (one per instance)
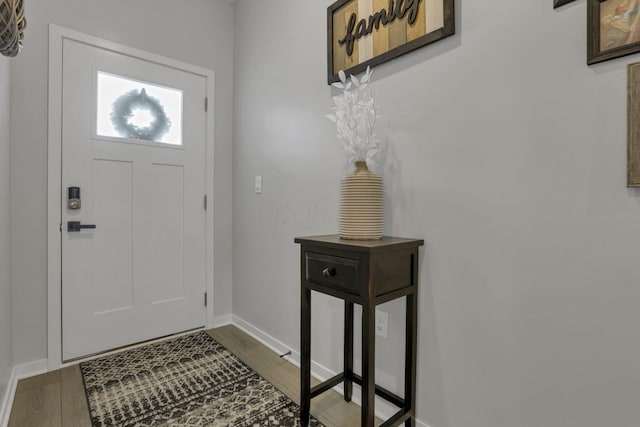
(133, 143)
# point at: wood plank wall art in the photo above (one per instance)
(633, 125)
(365, 33)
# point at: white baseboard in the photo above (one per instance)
(219, 321)
(384, 410)
(19, 372)
(7, 400)
(421, 424)
(273, 344)
(31, 369)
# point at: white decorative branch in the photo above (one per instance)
(355, 117)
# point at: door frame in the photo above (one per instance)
(57, 35)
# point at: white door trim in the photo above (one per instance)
(54, 196)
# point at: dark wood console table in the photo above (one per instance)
(368, 273)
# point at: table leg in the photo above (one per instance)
(305, 355)
(348, 350)
(368, 362)
(411, 340)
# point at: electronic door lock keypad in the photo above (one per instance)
(73, 200)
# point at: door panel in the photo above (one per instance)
(141, 272)
(167, 232)
(113, 210)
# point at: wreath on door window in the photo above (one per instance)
(123, 110)
(12, 25)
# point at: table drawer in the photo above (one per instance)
(334, 272)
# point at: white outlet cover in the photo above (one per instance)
(382, 324)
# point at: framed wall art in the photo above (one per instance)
(558, 3)
(362, 33)
(633, 125)
(613, 29)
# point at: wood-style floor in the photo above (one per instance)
(57, 399)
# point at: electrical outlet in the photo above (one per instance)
(382, 324)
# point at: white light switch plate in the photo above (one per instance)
(258, 184)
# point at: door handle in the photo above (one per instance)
(74, 226)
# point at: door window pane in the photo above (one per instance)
(136, 110)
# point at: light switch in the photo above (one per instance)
(258, 184)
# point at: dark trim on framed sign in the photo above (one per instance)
(558, 3)
(633, 125)
(613, 29)
(366, 33)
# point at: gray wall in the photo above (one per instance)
(6, 354)
(199, 32)
(507, 155)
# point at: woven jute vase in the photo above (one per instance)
(361, 205)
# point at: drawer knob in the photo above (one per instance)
(329, 272)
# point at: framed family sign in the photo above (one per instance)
(613, 29)
(363, 33)
(633, 125)
(558, 3)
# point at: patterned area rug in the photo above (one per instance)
(187, 381)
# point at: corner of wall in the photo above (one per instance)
(6, 336)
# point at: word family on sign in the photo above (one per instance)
(396, 10)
